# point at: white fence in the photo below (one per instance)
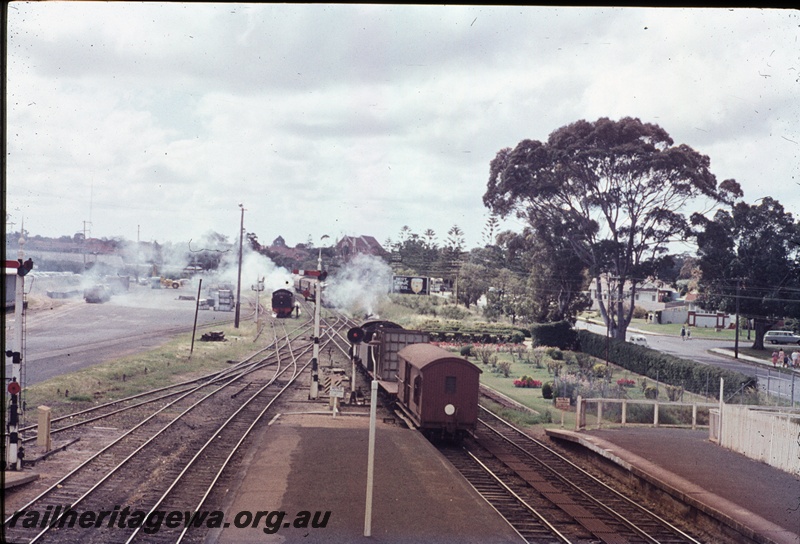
(690, 409)
(767, 434)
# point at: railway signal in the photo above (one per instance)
(355, 335)
(13, 449)
(321, 276)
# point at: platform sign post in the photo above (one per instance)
(373, 410)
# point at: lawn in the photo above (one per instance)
(538, 366)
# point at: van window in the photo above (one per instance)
(450, 384)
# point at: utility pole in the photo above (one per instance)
(239, 281)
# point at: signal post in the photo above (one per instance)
(321, 275)
(14, 450)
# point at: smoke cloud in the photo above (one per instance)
(360, 286)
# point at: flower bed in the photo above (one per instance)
(527, 381)
(624, 382)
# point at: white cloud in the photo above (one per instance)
(351, 119)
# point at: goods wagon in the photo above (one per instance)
(438, 390)
(378, 352)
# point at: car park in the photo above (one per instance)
(781, 337)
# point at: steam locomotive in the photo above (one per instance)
(282, 303)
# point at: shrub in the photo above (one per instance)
(547, 390)
(466, 351)
(555, 354)
(453, 312)
(674, 393)
(527, 381)
(560, 334)
(554, 368)
(692, 376)
(537, 356)
(651, 392)
(504, 367)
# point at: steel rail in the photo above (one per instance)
(561, 477)
(129, 433)
(520, 501)
(295, 374)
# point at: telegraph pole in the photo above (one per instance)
(239, 281)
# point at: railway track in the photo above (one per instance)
(546, 497)
(170, 459)
(144, 403)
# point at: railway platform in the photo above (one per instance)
(312, 462)
(13, 478)
(749, 496)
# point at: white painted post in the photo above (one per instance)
(624, 411)
(721, 397)
(599, 413)
(373, 408)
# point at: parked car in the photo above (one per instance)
(638, 339)
(781, 337)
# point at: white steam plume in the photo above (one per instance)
(360, 286)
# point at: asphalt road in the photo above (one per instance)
(76, 334)
(698, 350)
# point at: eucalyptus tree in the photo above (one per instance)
(615, 191)
(749, 258)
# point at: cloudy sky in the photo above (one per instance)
(354, 119)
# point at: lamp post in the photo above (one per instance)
(239, 281)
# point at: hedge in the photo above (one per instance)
(483, 333)
(559, 335)
(692, 376)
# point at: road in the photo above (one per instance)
(76, 334)
(772, 382)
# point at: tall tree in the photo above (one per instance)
(750, 256)
(614, 190)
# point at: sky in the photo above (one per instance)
(157, 121)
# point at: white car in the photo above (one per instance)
(781, 337)
(639, 340)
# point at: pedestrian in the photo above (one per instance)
(796, 359)
(774, 358)
(683, 333)
(782, 357)
(689, 333)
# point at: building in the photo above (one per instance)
(350, 246)
(651, 296)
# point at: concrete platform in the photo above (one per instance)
(13, 478)
(751, 497)
(317, 463)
